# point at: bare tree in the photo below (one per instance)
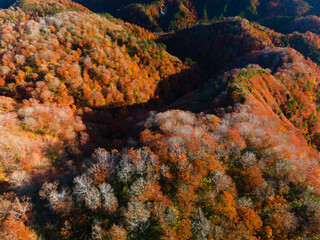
(201, 226)
(110, 202)
(86, 191)
(21, 207)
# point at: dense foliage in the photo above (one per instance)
(105, 135)
(83, 60)
(174, 14)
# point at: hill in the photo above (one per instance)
(110, 131)
(254, 45)
(54, 70)
(42, 8)
(164, 15)
(175, 14)
(79, 61)
(77, 50)
(239, 159)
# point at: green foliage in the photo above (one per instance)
(302, 44)
(190, 62)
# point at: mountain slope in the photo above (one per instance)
(85, 60)
(224, 146)
(174, 14)
(42, 8)
(248, 172)
(298, 98)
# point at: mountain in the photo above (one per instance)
(164, 15)
(80, 61)
(256, 45)
(111, 131)
(237, 159)
(77, 56)
(54, 70)
(174, 14)
(42, 8)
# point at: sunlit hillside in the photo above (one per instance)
(192, 120)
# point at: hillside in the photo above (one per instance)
(42, 8)
(52, 75)
(85, 60)
(245, 166)
(79, 62)
(164, 15)
(175, 14)
(111, 131)
(256, 45)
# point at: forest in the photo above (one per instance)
(167, 119)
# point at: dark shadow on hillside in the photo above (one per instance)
(111, 128)
(114, 127)
(213, 46)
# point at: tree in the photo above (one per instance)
(117, 233)
(201, 226)
(137, 215)
(86, 192)
(250, 218)
(110, 202)
(59, 201)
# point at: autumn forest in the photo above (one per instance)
(159, 119)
